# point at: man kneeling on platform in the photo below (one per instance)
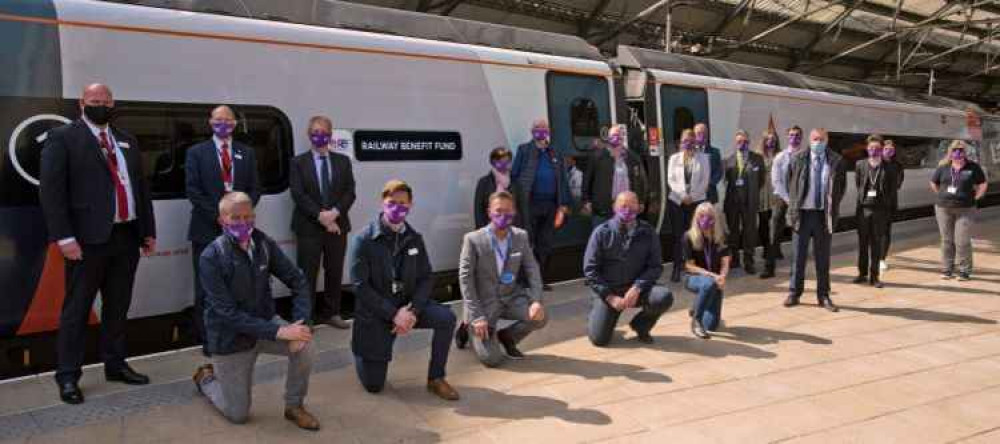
(240, 319)
(500, 279)
(621, 266)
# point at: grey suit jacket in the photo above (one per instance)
(479, 280)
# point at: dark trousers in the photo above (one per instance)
(329, 248)
(680, 220)
(763, 231)
(542, 231)
(708, 301)
(888, 235)
(812, 225)
(742, 222)
(110, 269)
(778, 224)
(872, 226)
(437, 317)
(603, 318)
(198, 316)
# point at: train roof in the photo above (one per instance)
(358, 17)
(651, 59)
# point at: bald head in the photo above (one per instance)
(627, 198)
(96, 94)
(223, 112)
(540, 124)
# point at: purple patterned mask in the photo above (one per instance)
(501, 220)
(888, 153)
(687, 145)
(540, 134)
(222, 130)
(615, 140)
(395, 213)
(241, 231)
(700, 138)
(771, 143)
(957, 154)
(626, 214)
(503, 165)
(706, 222)
(875, 153)
(743, 146)
(795, 140)
(320, 140)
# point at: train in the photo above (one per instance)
(413, 96)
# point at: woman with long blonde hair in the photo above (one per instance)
(706, 262)
(959, 183)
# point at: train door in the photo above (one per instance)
(579, 110)
(680, 108)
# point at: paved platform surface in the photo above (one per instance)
(917, 361)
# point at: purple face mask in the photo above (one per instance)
(875, 153)
(957, 154)
(888, 153)
(320, 140)
(501, 220)
(540, 134)
(502, 165)
(795, 140)
(626, 214)
(706, 222)
(222, 130)
(743, 146)
(687, 145)
(771, 143)
(395, 213)
(240, 231)
(700, 138)
(615, 140)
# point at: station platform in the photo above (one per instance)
(916, 361)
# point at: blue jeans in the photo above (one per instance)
(708, 302)
(372, 373)
(603, 318)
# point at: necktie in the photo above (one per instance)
(227, 167)
(818, 181)
(121, 197)
(739, 164)
(324, 180)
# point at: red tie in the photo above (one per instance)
(121, 196)
(227, 166)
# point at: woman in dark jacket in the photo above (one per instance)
(498, 179)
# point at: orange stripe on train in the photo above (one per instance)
(43, 315)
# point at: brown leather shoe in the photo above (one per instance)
(204, 372)
(301, 418)
(442, 389)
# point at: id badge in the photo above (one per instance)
(952, 190)
(507, 278)
(397, 287)
(739, 182)
(872, 193)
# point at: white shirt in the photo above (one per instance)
(232, 160)
(500, 247)
(779, 173)
(123, 174)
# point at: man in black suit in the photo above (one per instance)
(744, 174)
(322, 186)
(98, 209)
(212, 169)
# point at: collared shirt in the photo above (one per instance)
(822, 181)
(122, 168)
(501, 248)
(232, 160)
(779, 173)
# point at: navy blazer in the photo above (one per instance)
(203, 180)
(77, 192)
(372, 263)
(523, 172)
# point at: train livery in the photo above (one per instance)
(419, 97)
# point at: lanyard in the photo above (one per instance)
(500, 252)
(873, 177)
(955, 175)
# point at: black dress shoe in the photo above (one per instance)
(70, 393)
(509, 346)
(792, 300)
(462, 336)
(641, 336)
(828, 304)
(877, 283)
(767, 274)
(860, 279)
(127, 376)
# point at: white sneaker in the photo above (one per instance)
(883, 266)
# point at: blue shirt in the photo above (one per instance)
(817, 183)
(544, 189)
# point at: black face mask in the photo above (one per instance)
(98, 114)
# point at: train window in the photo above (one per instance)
(165, 132)
(911, 152)
(579, 108)
(585, 123)
(683, 119)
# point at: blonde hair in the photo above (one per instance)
(718, 231)
(762, 143)
(231, 200)
(955, 145)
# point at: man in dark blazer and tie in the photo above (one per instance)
(744, 174)
(98, 210)
(212, 169)
(322, 186)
